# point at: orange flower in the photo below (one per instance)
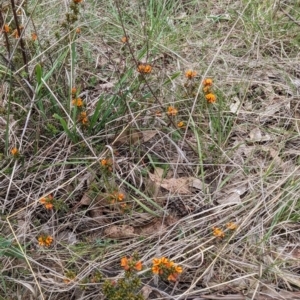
(156, 261)
(155, 269)
(178, 269)
(138, 266)
(45, 240)
(180, 124)
(124, 263)
(47, 202)
(124, 39)
(129, 264)
(15, 34)
(144, 68)
(107, 164)
(78, 30)
(190, 74)
(211, 98)
(77, 102)
(172, 111)
(207, 82)
(6, 28)
(218, 232)
(231, 226)
(34, 36)
(206, 89)
(83, 118)
(173, 277)
(73, 91)
(117, 196)
(15, 152)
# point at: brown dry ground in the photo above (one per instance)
(235, 161)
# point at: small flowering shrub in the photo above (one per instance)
(127, 287)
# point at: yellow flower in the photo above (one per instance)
(207, 82)
(172, 111)
(231, 226)
(144, 68)
(190, 74)
(218, 232)
(77, 102)
(15, 152)
(211, 98)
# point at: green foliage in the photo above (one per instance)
(126, 288)
(8, 249)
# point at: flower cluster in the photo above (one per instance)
(181, 124)
(144, 68)
(130, 264)
(219, 233)
(190, 74)
(83, 118)
(207, 89)
(166, 268)
(172, 111)
(47, 202)
(107, 163)
(77, 102)
(117, 196)
(45, 240)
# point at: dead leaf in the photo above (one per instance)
(232, 198)
(198, 184)
(85, 199)
(148, 135)
(255, 135)
(234, 106)
(123, 231)
(146, 291)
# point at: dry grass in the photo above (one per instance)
(235, 160)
